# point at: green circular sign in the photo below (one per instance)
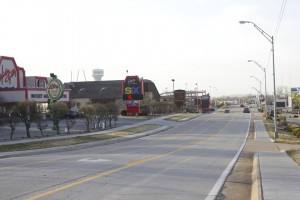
(55, 89)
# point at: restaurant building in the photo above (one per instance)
(16, 87)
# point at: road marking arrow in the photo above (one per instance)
(93, 160)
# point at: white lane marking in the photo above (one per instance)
(93, 160)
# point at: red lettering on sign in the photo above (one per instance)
(7, 74)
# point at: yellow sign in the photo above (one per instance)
(295, 94)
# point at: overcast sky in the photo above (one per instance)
(191, 41)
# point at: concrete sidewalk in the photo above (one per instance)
(280, 175)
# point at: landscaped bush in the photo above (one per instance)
(282, 121)
(124, 112)
(291, 126)
(296, 131)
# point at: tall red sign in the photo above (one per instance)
(133, 88)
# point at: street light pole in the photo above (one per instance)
(256, 91)
(264, 70)
(257, 81)
(197, 97)
(270, 39)
(259, 89)
(173, 80)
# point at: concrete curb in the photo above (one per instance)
(256, 192)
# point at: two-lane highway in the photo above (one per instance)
(188, 161)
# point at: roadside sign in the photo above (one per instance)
(55, 89)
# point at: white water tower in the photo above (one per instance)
(98, 74)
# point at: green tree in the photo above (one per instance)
(27, 111)
(88, 113)
(58, 111)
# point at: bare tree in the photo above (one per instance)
(12, 120)
(27, 111)
(280, 92)
(58, 111)
(88, 113)
(147, 102)
(101, 112)
(113, 112)
(40, 121)
(69, 123)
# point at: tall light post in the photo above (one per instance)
(215, 94)
(271, 40)
(173, 80)
(197, 97)
(264, 70)
(256, 91)
(257, 81)
(259, 89)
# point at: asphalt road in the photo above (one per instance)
(187, 161)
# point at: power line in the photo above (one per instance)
(280, 17)
(277, 26)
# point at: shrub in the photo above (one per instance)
(296, 131)
(282, 121)
(123, 112)
(292, 126)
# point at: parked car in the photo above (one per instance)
(246, 110)
(73, 115)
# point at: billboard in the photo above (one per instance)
(133, 88)
(295, 94)
(179, 95)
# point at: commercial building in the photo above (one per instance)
(89, 92)
(16, 87)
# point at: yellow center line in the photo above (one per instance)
(129, 165)
(126, 166)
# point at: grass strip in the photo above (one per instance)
(295, 155)
(284, 137)
(77, 139)
(181, 116)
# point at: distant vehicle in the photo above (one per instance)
(246, 110)
(227, 111)
(242, 105)
(205, 102)
(73, 115)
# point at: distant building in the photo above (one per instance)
(89, 92)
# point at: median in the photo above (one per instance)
(80, 139)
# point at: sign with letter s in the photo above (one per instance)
(133, 88)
